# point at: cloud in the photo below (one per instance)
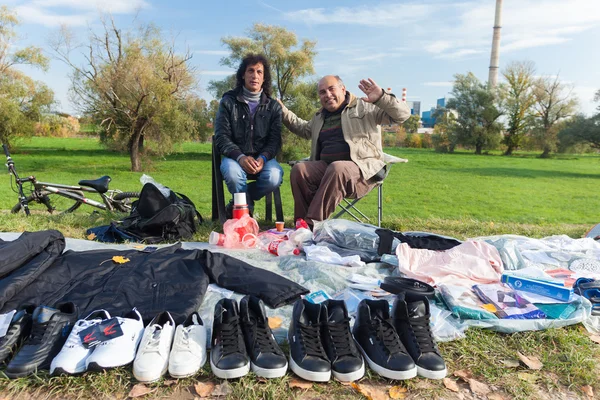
(217, 73)
(439, 84)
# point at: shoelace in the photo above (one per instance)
(262, 336)
(341, 337)
(37, 333)
(422, 330)
(154, 341)
(230, 333)
(311, 337)
(385, 331)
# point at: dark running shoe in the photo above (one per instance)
(347, 364)
(266, 358)
(19, 329)
(49, 331)
(379, 343)
(308, 359)
(228, 358)
(411, 318)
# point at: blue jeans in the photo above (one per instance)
(267, 180)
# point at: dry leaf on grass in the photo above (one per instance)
(275, 322)
(222, 390)
(463, 374)
(479, 388)
(595, 338)
(511, 363)
(300, 384)
(588, 390)
(451, 384)
(531, 362)
(204, 389)
(524, 376)
(140, 390)
(397, 392)
(495, 396)
(169, 382)
(370, 392)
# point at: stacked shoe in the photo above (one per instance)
(379, 342)
(121, 350)
(72, 359)
(152, 359)
(228, 358)
(18, 330)
(266, 357)
(590, 289)
(411, 319)
(49, 331)
(347, 364)
(189, 348)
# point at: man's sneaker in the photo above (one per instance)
(18, 330)
(411, 319)
(347, 364)
(152, 359)
(49, 332)
(228, 358)
(121, 350)
(189, 348)
(307, 356)
(266, 358)
(379, 343)
(72, 358)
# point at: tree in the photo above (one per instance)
(553, 103)
(581, 130)
(134, 85)
(412, 124)
(477, 113)
(22, 100)
(218, 88)
(520, 98)
(204, 115)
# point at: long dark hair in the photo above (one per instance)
(252, 59)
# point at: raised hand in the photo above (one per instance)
(371, 89)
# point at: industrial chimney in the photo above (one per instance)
(494, 59)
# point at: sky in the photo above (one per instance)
(417, 45)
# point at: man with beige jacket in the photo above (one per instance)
(346, 158)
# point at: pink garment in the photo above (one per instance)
(467, 264)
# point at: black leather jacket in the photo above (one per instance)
(236, 133)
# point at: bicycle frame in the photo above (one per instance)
(62, 191)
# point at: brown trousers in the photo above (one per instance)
(319, 187)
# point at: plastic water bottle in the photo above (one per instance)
(283, 248)
(163, 189)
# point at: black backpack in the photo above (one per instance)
(155, 218)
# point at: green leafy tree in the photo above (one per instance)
(134, 85)
(218, 88)
(477, 111)
(22, 100)
(520, 99)
(581, 130)
(412, 124)
(554, 102)
(204, 115)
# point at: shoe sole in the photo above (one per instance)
(61, 371)
(187, 374)
(427, 373)
(230, 373)
(309, 375)
(388, 373)
(151, 378)
(94, 366)
(269, 372)
(350, 376)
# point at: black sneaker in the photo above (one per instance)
(228, 358)
(379, 343)
(308, 359)
(49, 331)
(266, 358)
(19, 329)
(347, 364)
(411, 319)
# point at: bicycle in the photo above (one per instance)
(66, 198)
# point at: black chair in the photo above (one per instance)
(218, 194)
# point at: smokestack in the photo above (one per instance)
(494, 59)
(404, 95)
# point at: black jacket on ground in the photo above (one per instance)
(169, 278)
(237, 133)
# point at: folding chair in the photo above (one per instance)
(348, 205)
(218, 195)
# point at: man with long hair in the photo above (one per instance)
(248, 133)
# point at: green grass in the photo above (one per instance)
(462, 195)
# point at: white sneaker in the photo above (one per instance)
(152, 358)
(189, 348)
(120, 350)
(73, 355)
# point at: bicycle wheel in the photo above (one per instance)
(122, 201)
(50, 202)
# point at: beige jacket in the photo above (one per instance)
(361, 125)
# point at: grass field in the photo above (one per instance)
(462, 195)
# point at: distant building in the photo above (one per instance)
(415, 107)
(427, 118)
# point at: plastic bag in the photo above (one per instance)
(240, 233)
(163, 189)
